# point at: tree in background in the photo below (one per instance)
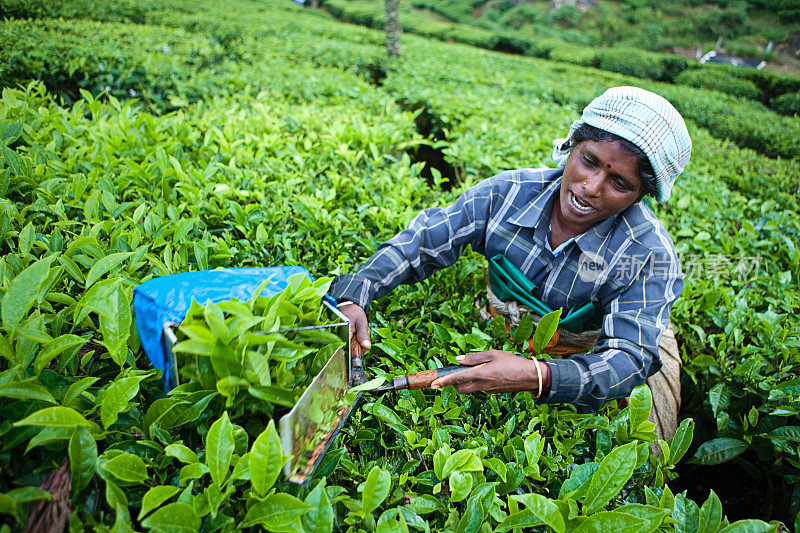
(392, 27)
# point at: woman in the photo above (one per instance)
(548, 223)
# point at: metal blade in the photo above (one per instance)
(313, 423)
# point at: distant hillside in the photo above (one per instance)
(601, 35)
(746, 26)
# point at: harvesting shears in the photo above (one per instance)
(312, 425)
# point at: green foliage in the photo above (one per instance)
(237, 348)
(788, 11)
(730, 21)
(545, 330)
(641, 64)
(632, 29)
(771, 83)
(575, 54)
(788, 104)
(655, 26)
(523, 14)
(719, 81)
(454, 10)
(121, 59)
(567, 16)
(748, 123)
(122, 11)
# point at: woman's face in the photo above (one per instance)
(600, 180)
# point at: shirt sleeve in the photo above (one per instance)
(626, 353)
(434, 239)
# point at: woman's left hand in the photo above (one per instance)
(495, 371)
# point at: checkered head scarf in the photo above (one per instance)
(645, 119)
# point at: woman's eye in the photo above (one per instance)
(620, 185)
(587, 161)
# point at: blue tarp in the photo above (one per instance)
(167, 299)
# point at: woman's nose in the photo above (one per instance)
(592, 183)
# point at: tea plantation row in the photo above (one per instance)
(292, 142)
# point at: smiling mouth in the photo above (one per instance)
(579, 205)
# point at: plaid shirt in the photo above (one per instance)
(626, 264)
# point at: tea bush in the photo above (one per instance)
(661, 67)
(788, 104)
(122, 11)
(122, 59)
(719, 81)
(457, 11)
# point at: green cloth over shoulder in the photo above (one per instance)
(509, 283)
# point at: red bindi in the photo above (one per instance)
(608, 166)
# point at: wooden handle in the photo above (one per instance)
(355, 348)
(422, 380)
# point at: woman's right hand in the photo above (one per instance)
(359, 325)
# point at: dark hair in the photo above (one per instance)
(586, 132)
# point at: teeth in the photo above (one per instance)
(577, 205)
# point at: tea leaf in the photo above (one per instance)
(749, 526)
(225, 361)
(219, 448)
(125, 467)
(462, 460)
(116, 397)
(369, 385)
(55, 417)
(680, 442)
(376, 489)
(718, 451)
(278, 512)
(460, 486)
(266, 459)
(538, 510)
(320, 516)
(55, 348)
(545, 329)
(181, 453)
(82, 458)
(175, 517)
(22, 292)
(614, 471)
(154, 497)
(26, 390)
(641, 402)
(524, 329)
(103, 266)
(115, 324)
(710, 514)
(612, 521)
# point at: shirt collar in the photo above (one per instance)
(538, 211)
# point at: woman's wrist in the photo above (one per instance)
(547, 378)
(542, 381)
